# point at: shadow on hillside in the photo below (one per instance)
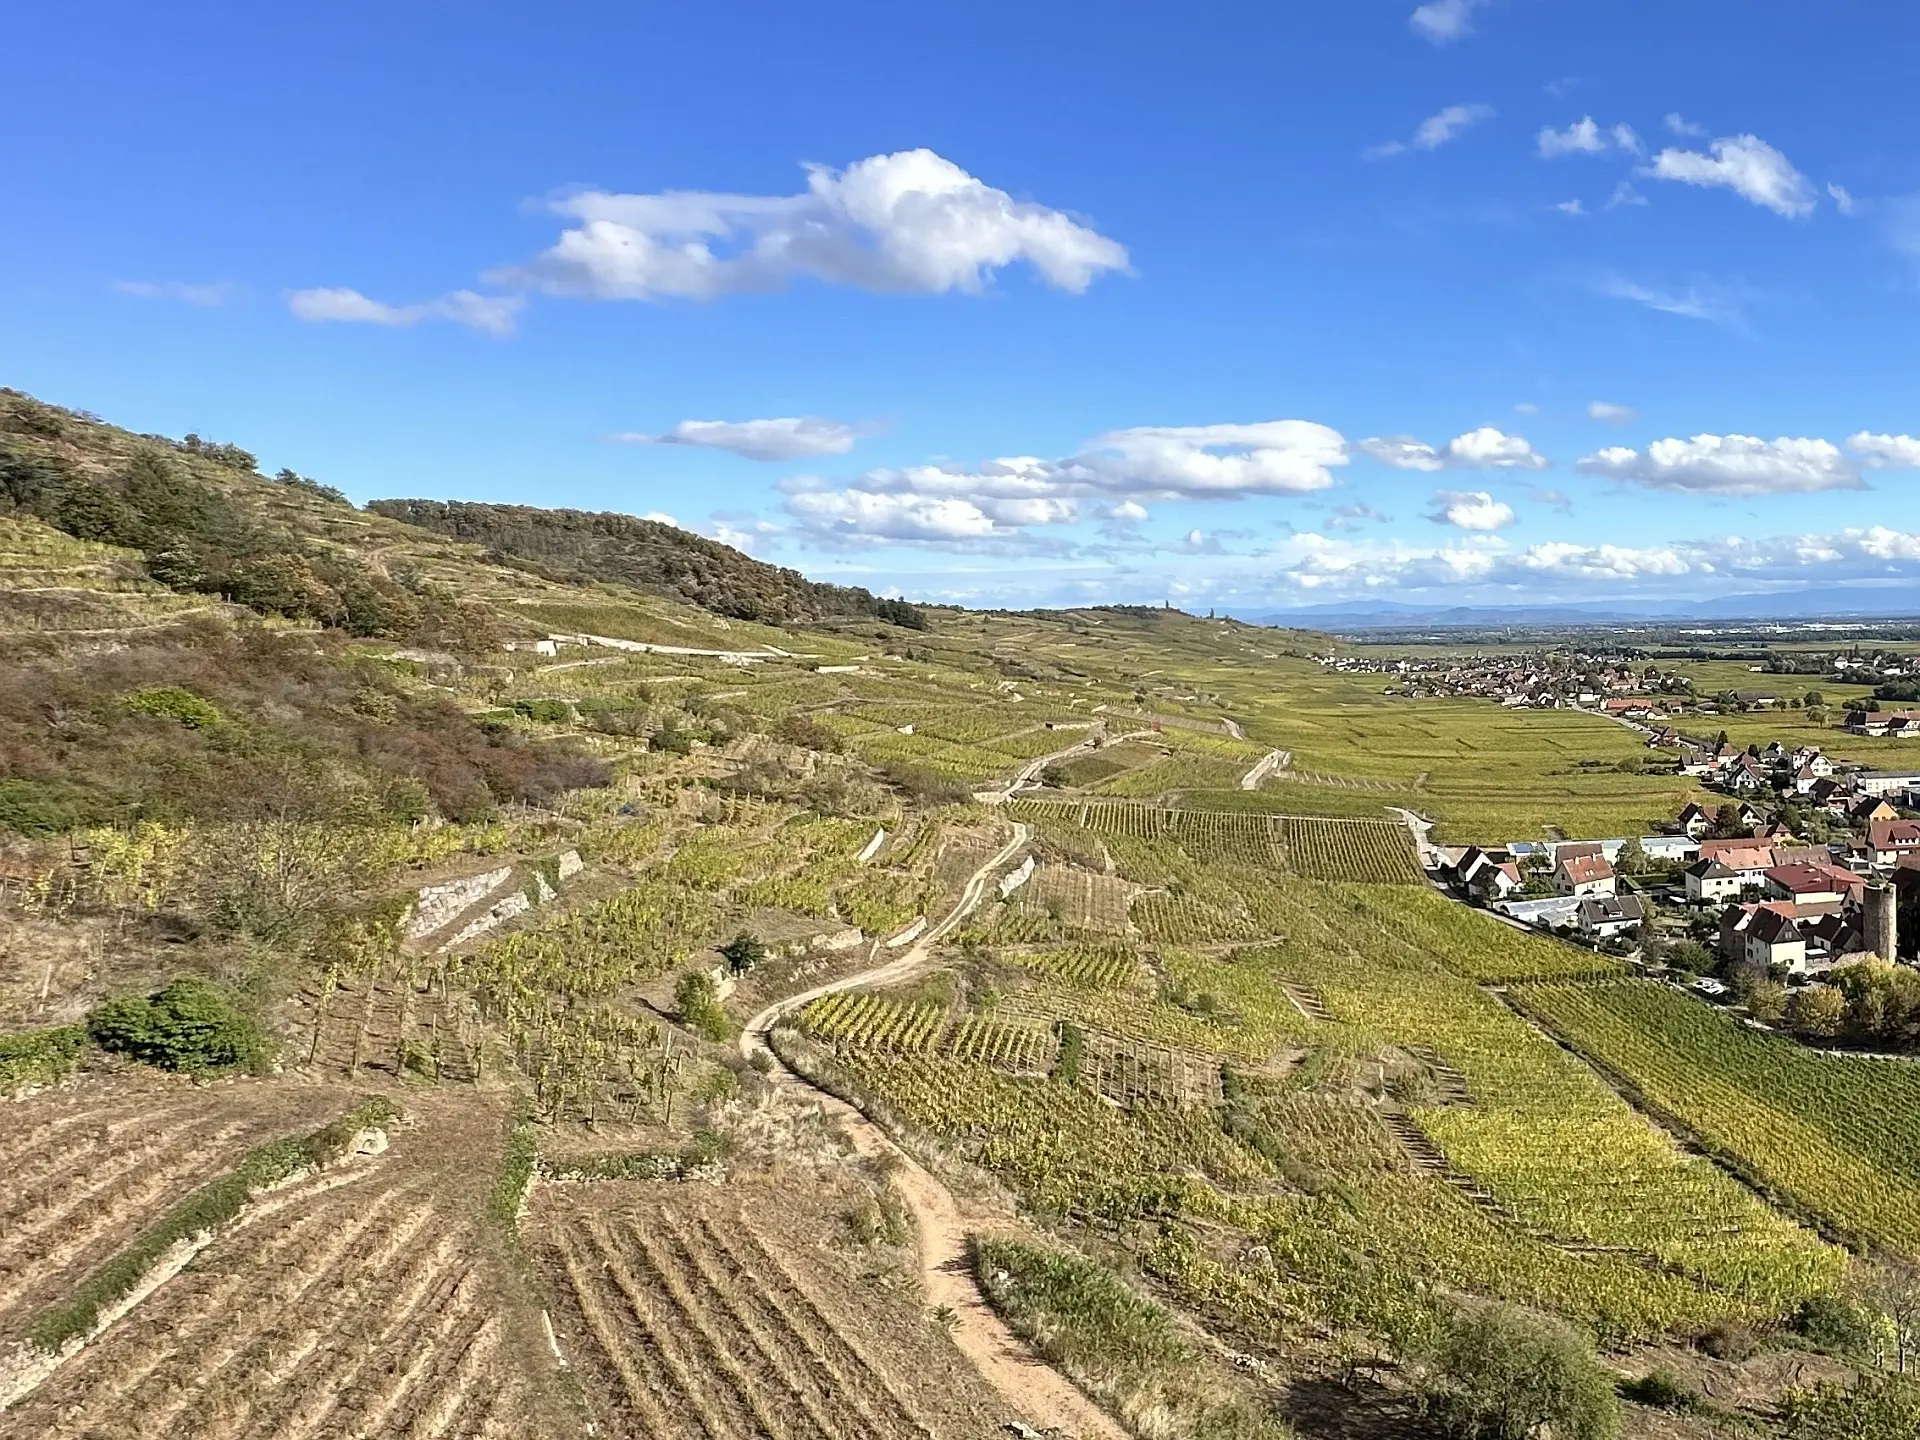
(1329, 1410)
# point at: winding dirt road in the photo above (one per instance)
(1035, 1392)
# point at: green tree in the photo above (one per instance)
(1501, 1374)
(742, 953)
(1820, 1010)
(1632, 859)
(1767, 1001)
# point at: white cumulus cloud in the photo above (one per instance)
(491, 314)
(1444, 21)
(786, 438)
(1471, 510)
(1746, 165)
(1110, 478)
(906, 223)
(1728, 465)
(866, 516)
(1585, 137)
(1886, 452)
(1482, 449)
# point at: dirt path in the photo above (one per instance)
(1422, 832)
(1030, 771)
(1037, 1393)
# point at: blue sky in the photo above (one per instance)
(1263, 306)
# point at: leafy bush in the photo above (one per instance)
(29, 807)
(39, 1057)
(190, 1025)
(1836, 1324)
(1500, 1374)
(1885, 1407)
(698, 1001)
(172, 702)
(545, 712)
(808, 733)
(1663, 1390)
(671, 741)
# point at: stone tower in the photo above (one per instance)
(1877, 921)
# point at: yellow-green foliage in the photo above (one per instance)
(1837, 1136)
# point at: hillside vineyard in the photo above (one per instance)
(472, 970)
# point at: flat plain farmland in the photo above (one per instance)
(689, 1312)
(1483, 772)
(369, 1300)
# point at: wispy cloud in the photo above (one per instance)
(1445, 21)
(1471, 510)
(206, 296)
(1484, 449)
(1612, 414)
(1702, 300)
(1585, 137)
(489, 314)
(1434, 131)
(785, 438)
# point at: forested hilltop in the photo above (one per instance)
(583, 547)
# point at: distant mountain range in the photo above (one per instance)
(1838, 602)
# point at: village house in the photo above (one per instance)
(1584, 875)
(1763, 936)
(1865, 812)
(1888, 840)
(1487, 876)
(1814, 884)
(1746, 776)
(1899, 724)
(1711, 882)
(1809, 757)
(1695, 821)
(1885, 782)
(1604, 916)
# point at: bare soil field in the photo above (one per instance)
(743, 1310)
(372, 1299)
(87, 1168)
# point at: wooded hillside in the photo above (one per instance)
(582, 547)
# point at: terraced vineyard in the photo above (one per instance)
(1369, 851)
(363, 1299)
(684, 1317)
